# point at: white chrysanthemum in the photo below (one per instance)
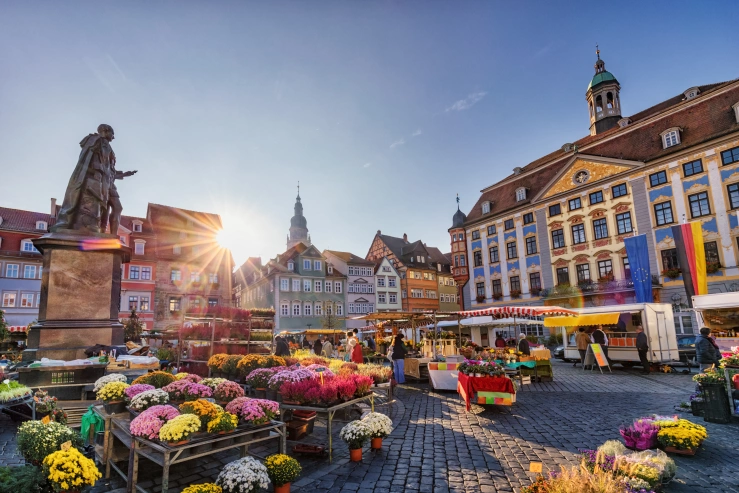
(245, 475)
(380, 424)
(104, 380)
(149, 398)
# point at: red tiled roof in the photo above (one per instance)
(350, 258)
(708, 119)
(199, 219)
(24, 221)
(146, 228)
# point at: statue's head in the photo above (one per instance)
(106, 132)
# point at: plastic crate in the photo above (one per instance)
(716, 404)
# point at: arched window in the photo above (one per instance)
(609, 100)
(591, 108)
(599, 103)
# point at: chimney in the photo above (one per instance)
(379, 232)
(53, 207)
(405, 237)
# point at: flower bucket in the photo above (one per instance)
(376, 443)
(260, 393)
(284, 488)
(114, 407)
(355, 455)
(271, 395)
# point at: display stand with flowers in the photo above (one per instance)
(356, 434)
(69, 471)
(282, 470)
(113, 396)
(484, 382)
(716, 406)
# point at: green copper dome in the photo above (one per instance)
(604, 76)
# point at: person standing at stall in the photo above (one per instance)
(705, 350)
(523, 345)
(600, 337)
(582, 339)
(318, 346)
(499, 341)
(642, 347)
(398, 357)
(327, 349)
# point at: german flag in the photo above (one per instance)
(692, 257)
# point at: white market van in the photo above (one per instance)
(719, 312)
(656, 319)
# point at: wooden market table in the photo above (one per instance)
(486, 390)
(416, 367)
(330, 412)
(166, 456)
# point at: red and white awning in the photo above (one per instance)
(16, 328)
(519, 311)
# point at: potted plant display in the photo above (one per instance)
(69, 471)
(355, 434)
(222, 423)
(113, 397)
(148, 423)
(282, 470)
(380, 426)
(245, 475)
(146, 399)
(227, 391)
(178, 430)
(35, 440)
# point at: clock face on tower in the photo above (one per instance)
(581, 177)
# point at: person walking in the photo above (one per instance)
(600, 337)
(523, 345)
(582, 339)
(705, 350)
(328, 348)
(398, 356)
(642, 347)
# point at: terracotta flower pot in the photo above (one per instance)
(285, 488)
(673, 450)
(376, 443)
(355, 454)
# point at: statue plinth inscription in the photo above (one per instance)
(81, 284)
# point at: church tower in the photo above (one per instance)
(603, 98)
(298, 225)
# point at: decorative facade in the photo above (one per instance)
(360, 284)
(138, 280)
(552, 232)
(387, 287)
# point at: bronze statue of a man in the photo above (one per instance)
(88, 194)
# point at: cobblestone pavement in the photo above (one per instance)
(438, 447)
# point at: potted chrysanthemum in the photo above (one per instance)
(147, 399)
(104, 380)
(69, 471)
(178, 430)
(380, 425)
(282, 470)
(245, 475)
(203, 488)
(356, 434)
(223, 423)
(227, 391)
(113, 395)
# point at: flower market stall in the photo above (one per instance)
(485, 383)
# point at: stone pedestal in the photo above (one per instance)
(80, 294)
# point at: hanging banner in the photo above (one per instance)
(641, 273)
(691, 256)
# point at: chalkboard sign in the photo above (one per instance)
(596, 356)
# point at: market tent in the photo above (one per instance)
(517, 311)
(580, 320)
(324, 331)
(480, 321)
(17, 328)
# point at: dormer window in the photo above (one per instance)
(520, 194)
(692, 92)
(137, 227)
(42, 225)
(486, 207)
(736, 111)
(670, 137)
(624, 122)
(291, 266)
(330, 269)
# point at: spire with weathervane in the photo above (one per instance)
(604, 101)
(298, 225)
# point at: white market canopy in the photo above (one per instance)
(484, 321)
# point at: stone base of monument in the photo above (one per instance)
(80, 294)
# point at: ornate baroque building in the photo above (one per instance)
(552, 232)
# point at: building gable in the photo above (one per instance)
(584, 170)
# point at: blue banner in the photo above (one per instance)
(641, 274)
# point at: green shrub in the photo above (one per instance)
(25, 479)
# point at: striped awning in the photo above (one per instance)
(16, 328)
(518, 311)
(581, 320)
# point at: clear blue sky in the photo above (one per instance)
(383, 110)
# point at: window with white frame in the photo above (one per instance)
(296, 309)
(296, 284)
(291, 266)
(133, 303)
(339, 309)
(330, 269)
(144, 304)
(380, 282)
(146, 273)
(284, 284)
(670, 137)
(393, 298)
(307, 309)
(284, 309)
(134, 272)
(40, 271)
(11, 270)
(318, 286)
(42, 225)
(213, 278)
(391, 282)
(485, 207)
(317, 265)
(319, 309)
(138, 249)
(327, 285)
(520, 194)
(306, 264)
(27, 246)
(27, 300)
(329, 308)
(350, 308)
(137, 227)
(9, 300)
(337, 287)
(306, 285)
(381, 298)
(29, 272)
